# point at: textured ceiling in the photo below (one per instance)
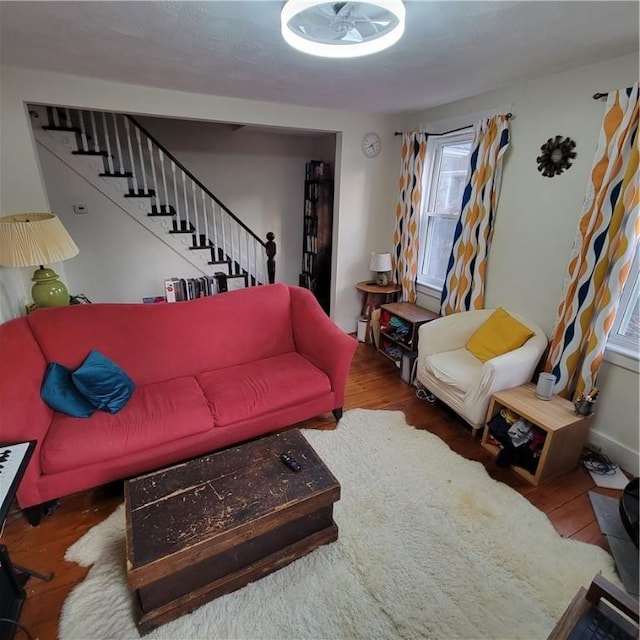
(450, 50)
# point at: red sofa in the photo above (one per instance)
(209, 373)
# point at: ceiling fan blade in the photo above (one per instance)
(321, 34)
(381, 23)
(343, 9)
(353, 35)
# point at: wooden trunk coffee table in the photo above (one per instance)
(203, 528)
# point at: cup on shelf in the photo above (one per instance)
(544, 388)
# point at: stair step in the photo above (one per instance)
(227, 262)
(126, 174)
(149, 193)
(200, 242)
(48, 127)
(183, 227)
(90, 153)
(162, 210)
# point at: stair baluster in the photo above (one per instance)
(143, 172)
(164, 181)
(205, 217)
(56, 119)
(196, 217)
(156, 191)
(187, 214)
(118, 146)
(108, 143)
(132, 164)
(83, 134)
(178, 221)
(214, 254)
(96, 142)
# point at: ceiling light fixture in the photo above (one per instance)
(342, 29)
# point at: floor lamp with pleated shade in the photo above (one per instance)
(36, 239)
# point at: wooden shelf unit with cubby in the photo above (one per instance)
(566, 432)
(399, 324)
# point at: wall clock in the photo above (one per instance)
(557, 154)
(371, 145)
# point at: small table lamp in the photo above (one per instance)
(381, 264)
(32, 239)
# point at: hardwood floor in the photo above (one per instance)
(374, 383)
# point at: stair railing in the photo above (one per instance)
(130, 151)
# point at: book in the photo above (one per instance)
(170, 289)
(182, 290)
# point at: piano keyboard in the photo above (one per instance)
(13, 462)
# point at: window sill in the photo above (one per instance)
(428, 290)
(622, 357)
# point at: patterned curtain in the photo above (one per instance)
(603, 251)
(404, 259)
(464, 283)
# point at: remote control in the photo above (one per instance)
(290, 462)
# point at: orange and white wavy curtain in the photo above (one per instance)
(603, 250)
(404, 258)
(464, 283)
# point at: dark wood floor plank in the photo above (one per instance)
(571, 517)
(592, 534)
(374, 383)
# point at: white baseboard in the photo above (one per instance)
(627, 459)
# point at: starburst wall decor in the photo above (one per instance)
(557, 154)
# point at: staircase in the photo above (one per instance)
(122, 160)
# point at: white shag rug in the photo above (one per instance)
(429, 547)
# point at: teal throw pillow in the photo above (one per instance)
(103, 383)
(59, 392)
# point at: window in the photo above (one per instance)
(445, 177)
(624, 338)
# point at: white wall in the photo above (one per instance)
(365, 189)
(258, 174)
(537, 217)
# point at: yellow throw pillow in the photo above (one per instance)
(499, 334)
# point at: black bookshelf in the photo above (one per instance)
(317, 231)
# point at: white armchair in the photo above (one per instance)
(454, 375)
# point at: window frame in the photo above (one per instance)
(621, 350)
(430, 178)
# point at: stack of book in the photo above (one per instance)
(179, 289)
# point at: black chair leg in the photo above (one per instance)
(36, 513)
(337, 413)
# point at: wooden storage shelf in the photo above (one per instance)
(385, 345)
(565, 432)
(411, 317)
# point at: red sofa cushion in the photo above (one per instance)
(248, 390)
(155, 414)
(154, 342)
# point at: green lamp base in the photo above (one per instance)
(48, 291)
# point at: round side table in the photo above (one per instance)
(373, 296)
